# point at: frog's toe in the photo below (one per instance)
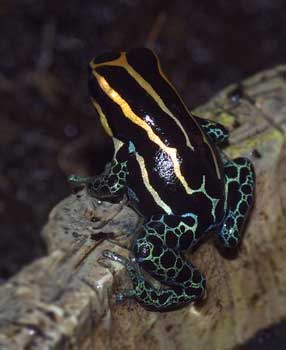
(115, 257)
(120, 298)
(77, 180)
(125, 294)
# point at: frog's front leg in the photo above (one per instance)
(112, 183)
(216, 131)
(157, 249)
(239, 189)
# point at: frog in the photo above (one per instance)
(171, 166)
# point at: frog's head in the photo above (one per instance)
(119, 84)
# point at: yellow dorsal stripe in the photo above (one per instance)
(194, 119)
(145, 178)
(127, 111)
(150, 188)
(122, 62)
(102, 117)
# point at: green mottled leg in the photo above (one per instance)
(217, 132)
(239, 188)
(111, 184)
(157, 250)
(157, 299)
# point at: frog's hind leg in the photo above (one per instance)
(217, 132)
(159, 299)
(239, 189)
(157, 250)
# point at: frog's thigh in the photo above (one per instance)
(168, 266)
(240, 185)
(158, 249)
(217, 132)
(161, 299)
(189, 288)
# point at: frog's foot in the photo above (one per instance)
(96, 185)
(77, 180)
(155, 299)
(115, 257)
(108, 186)
(132, 270)
(240, 186)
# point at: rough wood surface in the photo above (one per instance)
(66, 299)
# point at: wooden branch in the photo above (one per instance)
(66, 299)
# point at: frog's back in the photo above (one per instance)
(175, 166)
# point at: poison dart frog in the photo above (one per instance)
(169, 164)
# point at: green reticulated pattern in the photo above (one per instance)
(240, 185)
(217, 132)
(156, 299)
(159, 299)
(175, 232)
(158, 249)
(112, 183)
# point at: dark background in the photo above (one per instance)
(48, 127)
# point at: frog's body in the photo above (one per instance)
(168, 162)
